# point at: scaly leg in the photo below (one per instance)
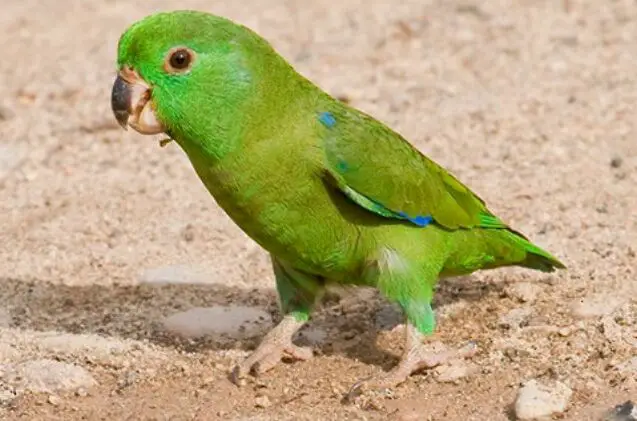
(415, 357)
(411, 286)
(276, 345)
(298, 292)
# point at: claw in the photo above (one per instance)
(276, 346)
(357, 389)
(415, 358)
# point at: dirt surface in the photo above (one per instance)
(104, 235)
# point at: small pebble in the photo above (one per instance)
(6, 397)
(188, 233)
(262, 402)
(616, 162)
(53, 400)
(536, 400)
(81, 392)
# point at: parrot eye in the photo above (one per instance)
(179, 60)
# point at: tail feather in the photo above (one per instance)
(536, 258)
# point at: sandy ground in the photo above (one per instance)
(104, 235)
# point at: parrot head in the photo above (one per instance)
(186, 73)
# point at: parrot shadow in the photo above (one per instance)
(361, 323)
(354, 325)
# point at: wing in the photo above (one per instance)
(381, 172)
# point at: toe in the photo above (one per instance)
(290, 351)
(268, 362)
(382, 383)
(300, 353)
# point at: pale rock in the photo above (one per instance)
(6, 397)
(233, 321)
(54, 400)
(45, 376)
(536, 401)
(262, 402)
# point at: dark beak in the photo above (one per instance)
(131, 101)
(121, 101)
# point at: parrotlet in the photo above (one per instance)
(335, 196)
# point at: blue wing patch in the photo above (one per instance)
(420, 220)
(327, 119)
(377, 208)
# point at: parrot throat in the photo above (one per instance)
(212, 133)
(251, 112)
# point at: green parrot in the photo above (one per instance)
(335, 196)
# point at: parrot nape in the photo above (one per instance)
(335, 196)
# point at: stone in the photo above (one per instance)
(262, 402)
(54, 400)
(233, 321)
(536, 400)
(6, 397)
